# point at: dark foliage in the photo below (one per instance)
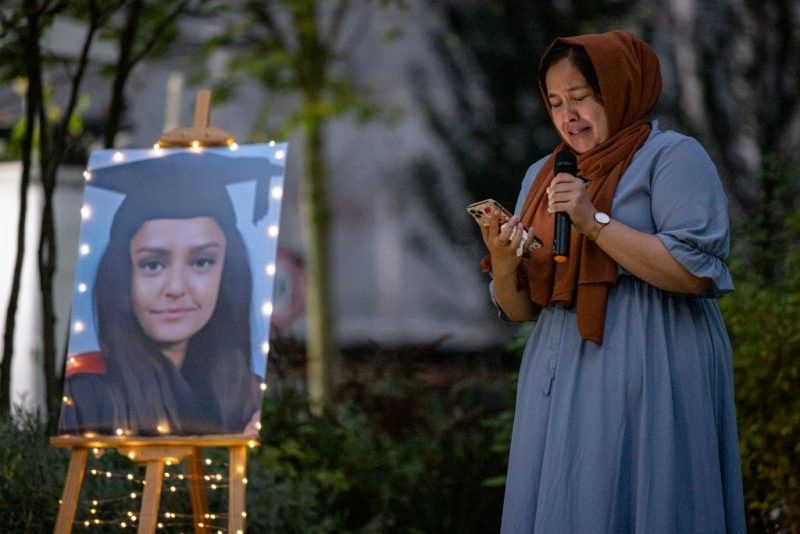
(762, 318)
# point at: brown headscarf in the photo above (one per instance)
(629, 76)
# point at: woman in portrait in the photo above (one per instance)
(171, 302)
(625, 415)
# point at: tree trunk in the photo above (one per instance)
(33, 102)
(51, 159)
(311, 71)
(321, 348)
(123, 69)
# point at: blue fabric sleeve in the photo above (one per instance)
(690, 212)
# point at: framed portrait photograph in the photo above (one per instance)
(169, 331)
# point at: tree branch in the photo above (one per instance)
(156, 35)
(263, 14)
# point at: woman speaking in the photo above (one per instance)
(625, 414)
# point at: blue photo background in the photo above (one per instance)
(100, 205)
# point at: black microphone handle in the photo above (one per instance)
(565, 162)
(561, 232)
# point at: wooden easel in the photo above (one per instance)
(157, 452)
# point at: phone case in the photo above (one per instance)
(488, 207)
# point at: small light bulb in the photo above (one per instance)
(130, 476)
(118, 157)
(208, 461)
(87, 175)
(273, 230)
(266, 309)
(271, 269)
(265, 347)
(279, 154)
(234, 146)
(196, 147)
(263, 386)
(157, 146)
(86, 212)
(120, 432)
(258, 425)
(82, 288)
(84, 249)
(78, 327)
(133, 495)
(213, 486)
(272, 143)
(277, 192)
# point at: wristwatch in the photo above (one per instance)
(600, 221)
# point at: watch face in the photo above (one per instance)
(602, 218)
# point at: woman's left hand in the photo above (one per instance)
(568, 194)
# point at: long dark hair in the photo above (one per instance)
(218, 355)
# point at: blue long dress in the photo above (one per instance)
(637, 434)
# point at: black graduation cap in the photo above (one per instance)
(183, 186)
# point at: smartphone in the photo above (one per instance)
(490, 207)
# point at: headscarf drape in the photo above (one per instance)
(629, 76)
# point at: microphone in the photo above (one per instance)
(565, 162)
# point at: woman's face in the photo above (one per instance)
(577, 115)
(177, 267)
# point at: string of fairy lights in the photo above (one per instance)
(122, 511)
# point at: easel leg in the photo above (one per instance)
(148, 517)
(236, 490)
(72, 490)
(197, 491)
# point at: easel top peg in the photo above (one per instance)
(200, 134)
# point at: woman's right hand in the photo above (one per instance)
(503, 244)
